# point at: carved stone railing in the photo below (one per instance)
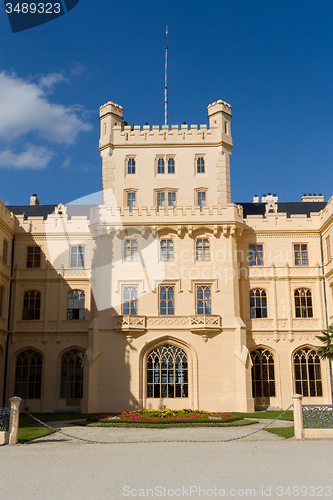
(259, 324)
(129, 323)
(318, 416)
(197, 323)
(205, 323)
(305, 324)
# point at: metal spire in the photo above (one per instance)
(166, 80)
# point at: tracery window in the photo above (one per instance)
(202, 249)
(308, 380)
(31, 305)
(130, 300)
(303, 303)
(76, 304)
(71, 384)
(167, 300)
(203, 299)
(258, 303)
(28, 375)
(167, 373)
(263, 375)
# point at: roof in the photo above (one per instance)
(45, 210)
(290, 208)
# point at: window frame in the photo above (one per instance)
(71, 378)
(38, 374)
(201, 191)
(2, 301)
(135, 300)
(262, 308)
(163, 382)
(165, 192)
(29, 311)
(131, 253)
(197, 158)
(34, 252)
(77, 256)
(166, 250)
(203, 247)
(5, 251)
(127, 193)
(328, 248)
(301, 254)
(204, 286)
(256, 254)
(79, 309)
(305, 307)
(128, 167)
(168, 158)
(167, 300)
(299, 382)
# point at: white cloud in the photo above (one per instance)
(48, 81)
(25, 107)
(77, 68)
(34, 158)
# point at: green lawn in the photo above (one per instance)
(270, 415)
(285, 432)
(26, 434)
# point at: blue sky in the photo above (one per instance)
(272, 61)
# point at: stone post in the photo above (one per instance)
(14, 419)
(298, 416)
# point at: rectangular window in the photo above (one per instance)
(202, 249)
(5, 251)
(201, 199)
(33, 257)
(301, 254)
(203, 299)
(131, 166)
(130, 300)
(130, 200)
(167, 300)
(160, 166)
(166, 250)
(171, 166)
(172, 199)
(200, 165)
(130, 250)
(160, 199)
(328, 249)
(256, 255)
(77, 256)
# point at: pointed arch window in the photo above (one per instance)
(76, 305)
(28, 375)
(308, 381)
(258, 303)
(263, 374)
(72, 374)
(167, 373)
(303, 303)
(31, 305)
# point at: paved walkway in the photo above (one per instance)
(55, 467)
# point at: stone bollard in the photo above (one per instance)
(298, 416)
(14, 419)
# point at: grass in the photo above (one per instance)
(26, 434)
(269, 415)
(285, 432)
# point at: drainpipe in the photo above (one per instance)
(326, 314)
(8, 326)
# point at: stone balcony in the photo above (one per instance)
(196, 324)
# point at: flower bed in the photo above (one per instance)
(168, 417)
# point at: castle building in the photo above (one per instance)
(166, 294)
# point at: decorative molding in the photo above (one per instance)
(259, 324)
(306, 323)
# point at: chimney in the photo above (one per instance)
(34, 200)
(314, 197)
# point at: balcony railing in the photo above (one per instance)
(196, 323)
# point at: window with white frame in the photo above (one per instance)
(200, 165)
(166, 300)
(130, 250)
(201, 199)
(130, 199)
(77, 256)
(131, 165)
(130, 300)
(202, 251)
(203, 299)
(301, 254)
(166, 250)
(256, 255)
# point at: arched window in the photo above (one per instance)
(258, 303)
(28, 376)
(263, 376)
(167, 300)
(76, 305)
(2, 295)
(200, 165)
(72, 375)
(303, 303)
(131, 166)
(204, 299)
(160, 166)
(307, 373)
(31, 305)
(167, 373)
